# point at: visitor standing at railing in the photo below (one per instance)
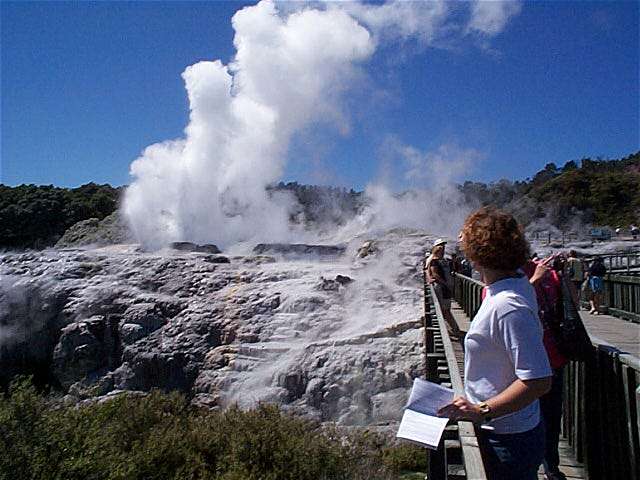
(596, 274)
(506, 366)
(438, 275)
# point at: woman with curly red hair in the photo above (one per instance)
(506, 366)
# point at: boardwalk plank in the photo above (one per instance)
(623, 335)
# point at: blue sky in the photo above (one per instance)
(86, 86)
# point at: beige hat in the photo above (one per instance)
(440, 241)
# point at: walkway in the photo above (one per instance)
(622, 334)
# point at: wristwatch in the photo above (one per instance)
(485, 410)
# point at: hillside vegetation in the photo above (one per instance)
(595, 192)
(588, 192)
(161, 436)
(608, 193)
(37, 216)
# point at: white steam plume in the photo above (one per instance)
(290, 71)
(211, 185)
(433, 202)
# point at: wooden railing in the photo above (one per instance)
(620, 262)
(622, 296)
(601, 411)
(458, 456)
(468, 293)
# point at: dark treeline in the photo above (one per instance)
(598, 192)
(37, 216)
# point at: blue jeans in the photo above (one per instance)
(513, 456)
(551, 410)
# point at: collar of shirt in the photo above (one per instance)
(504, 284)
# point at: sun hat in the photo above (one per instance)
(440, 241)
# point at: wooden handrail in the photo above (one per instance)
(468, 293)
(622, 296)
(628, 262)
(438, 345)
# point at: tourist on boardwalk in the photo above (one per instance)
(438, 275)
(506, 367)
(545, 276)
(596, 273)
(574, 271)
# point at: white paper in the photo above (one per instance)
(420, 422)
(424, 429)
(428, 397)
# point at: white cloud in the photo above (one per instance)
(489, 17)
(446, 164)
(401, 19)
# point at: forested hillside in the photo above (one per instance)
(607, 192)
(37, 216)
(591, 192)
(596, 192)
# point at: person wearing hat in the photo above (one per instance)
(437, 275)
(428, 257)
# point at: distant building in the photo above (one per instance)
(600, 234)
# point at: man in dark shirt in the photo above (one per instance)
(597, 271)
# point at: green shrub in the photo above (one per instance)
(161, 436)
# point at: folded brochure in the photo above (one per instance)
(420, 422)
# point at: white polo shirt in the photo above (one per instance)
(504, 343)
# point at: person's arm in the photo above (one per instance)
(521, 337)
(513, 398)
(541, 268)
(427, 273)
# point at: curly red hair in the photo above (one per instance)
(493, 239)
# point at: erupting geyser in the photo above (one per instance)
(293, 65)
(287, 72)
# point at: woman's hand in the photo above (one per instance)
(513, 398)
(541, 269)
(462, 409)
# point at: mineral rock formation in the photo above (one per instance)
(333, 338)
(110, 230)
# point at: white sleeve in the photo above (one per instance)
(522, 336)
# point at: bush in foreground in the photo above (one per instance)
(161, 436)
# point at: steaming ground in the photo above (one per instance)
(336, 339)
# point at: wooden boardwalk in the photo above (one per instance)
(573, 469)
(619, 333)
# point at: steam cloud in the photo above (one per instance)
(294, 63)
